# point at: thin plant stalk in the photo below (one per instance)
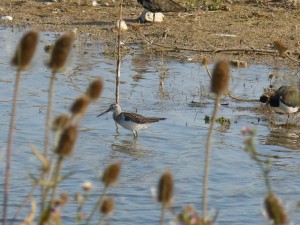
(47, 132)
(98, 205)
(48, 117)
(9, 146)
(207, 156)
(163, 214)
(101, 220)
(118, 74)
(32, 190)
(55, 179)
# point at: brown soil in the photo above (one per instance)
(244, 31)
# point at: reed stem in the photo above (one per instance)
(118, 74)
(9, 147)
(23, 203)
(98, 205)
(47, 133)
(207, 156)
(55, 179)
(163, 214)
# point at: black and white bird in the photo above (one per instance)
(156, 6)
(285, 100)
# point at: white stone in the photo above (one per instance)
(7, 18)
(123, 25)
(94, 3)
(148, 17)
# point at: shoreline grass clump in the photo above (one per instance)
(22, 58)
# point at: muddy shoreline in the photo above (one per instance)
(244, 31)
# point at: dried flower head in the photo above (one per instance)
(189, 215)
(275, 210)
(79, 198)
(80, 105)
(220, 77)
(95, 89)
(281, 47)
(87, 186)
(108, 206)
(25, 50)
(67, 141)
(111, 174)
(60, 52)
(64, 198)
(60, 122)
(165, 188)
(205, 61)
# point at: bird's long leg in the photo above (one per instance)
(135, 134)
(287, 120)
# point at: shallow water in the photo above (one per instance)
(152, 85)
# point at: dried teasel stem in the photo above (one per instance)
(111, 174)
(109, 178)
(67, 141)
(165, 193)
(106, 208)
(219, 86)
(60, 52)
(98, 205)
(95, 89)
(21, 60)
(25, 50)
(79, 108)
(275, 210)
(59, 56)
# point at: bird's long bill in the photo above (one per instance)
(104, 112)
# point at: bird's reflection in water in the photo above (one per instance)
(287, 138)
(130, 147)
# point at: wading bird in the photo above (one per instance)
(285, 100)
(155, 6)
(130, 121)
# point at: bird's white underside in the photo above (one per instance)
(129, 125)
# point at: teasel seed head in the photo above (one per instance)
(60, 122)
(108, 206)
(275, 210)
(220, 77)
(67, 141)
(25, 50)
(80, 105)
(281, 47)
(165, 188)
(60, 52)
(111, 174)
(205, 61)
(95, 89)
